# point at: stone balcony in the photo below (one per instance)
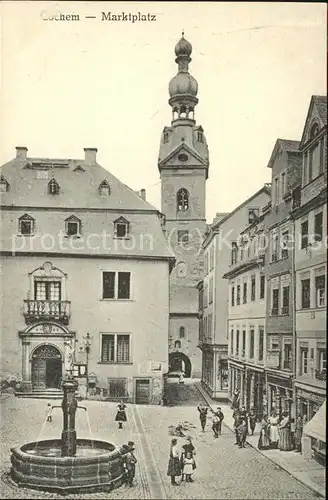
(45, 310)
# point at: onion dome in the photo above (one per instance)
(183, 48)
(183, 83)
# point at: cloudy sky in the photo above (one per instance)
(92, 83)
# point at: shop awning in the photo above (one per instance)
(316, 427)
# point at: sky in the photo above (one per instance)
(66, 85)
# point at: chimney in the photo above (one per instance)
(90, 155)
(143, 194)
(21, 152)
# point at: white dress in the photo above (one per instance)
(188, 466)
(274, 435)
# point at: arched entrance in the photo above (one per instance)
(47, 368)
(178, 361)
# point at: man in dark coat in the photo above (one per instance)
(217, 422)
(130, 463)
(237, 422)
(244, 416)
(202, 416)
(242, 431)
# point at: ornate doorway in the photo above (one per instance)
(46, 367)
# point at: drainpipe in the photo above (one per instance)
(293, 280)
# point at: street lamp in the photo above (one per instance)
(87, 345)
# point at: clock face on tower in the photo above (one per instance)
(183, 157)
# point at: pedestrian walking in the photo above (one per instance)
(235, 399)
(298, 433)
(174, 468)
(217, 422)
(202, 416)
(292, 432)
(188, 467)
(252, 421)
(264, 441)
(244, 416)
(188, 447)
(130, 463)
(237, 422)
(242, 432)
(49, 413)
(285, 441)
(121, 414)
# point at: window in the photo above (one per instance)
(287, 361)
(296, 197)
(304, 361)
(322, 359)
(210, 298)
(182, 332)
(314, 131)
(253, 215)
(318, 227)
(117, 388)
(304, 234)
(200, 137)
(115, 348)
(262, 286)
(121, 227)
(210, 321)
(244, 293)
(283, 183)
(231, 341)
(320, 290)
(285, 300)
(181, 270)
(284, 244)
(251, 345)
(244, 343)
(166, 137)
(73, 226)
(47, 290)
(177, 344)
(53, 187)
(274, 247)
(232, 296)
(275, 302)
(253, 287)
(276, 191)
(234, 252)
(237, 342)
(26, 225)
(182, 200)
(116, 288)
(305, 287)
(4, 185)
(104, 188)
(322, 146)
(183, 236)
(261, 343)
(238, 295)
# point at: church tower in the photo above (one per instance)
(183, 165)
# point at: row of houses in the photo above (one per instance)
(262, 302)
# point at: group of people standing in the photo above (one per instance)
(181, 464)
(217, 419)
(281, 432)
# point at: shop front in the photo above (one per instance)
(308, 400)
(280, 394)
(255, 390)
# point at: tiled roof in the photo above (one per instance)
(287, 145)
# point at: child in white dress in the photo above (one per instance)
(188, 467)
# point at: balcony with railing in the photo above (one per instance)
(40, 310)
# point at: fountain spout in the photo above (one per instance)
(69, 406)
(82, 408)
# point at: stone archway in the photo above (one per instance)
(178, 361)
(47, 367)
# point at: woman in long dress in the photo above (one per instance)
(273, 429)
(264, 441)
(298, 434)
(174, 467)
(285, 438)
(235, 399)
(121, 414)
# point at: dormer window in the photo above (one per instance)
(4, 185)
(182, 200)
(166, 137)
(79, 168)
(253, 215)
(121, 227)
(53, 187)
(200, 137)
(104, 188)
(314, 130)
(73, 226)
(26, 225)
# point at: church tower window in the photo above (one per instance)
(182, 199)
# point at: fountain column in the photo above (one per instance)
(69, 406)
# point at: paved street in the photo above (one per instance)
(223, 470)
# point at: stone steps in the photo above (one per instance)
(41, 394)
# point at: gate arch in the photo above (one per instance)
(176, 362)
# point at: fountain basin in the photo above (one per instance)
(96, 466)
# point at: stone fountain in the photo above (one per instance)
(68, 464)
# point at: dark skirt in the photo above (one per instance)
(264, 441)
(120, 416)
(174, 467)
